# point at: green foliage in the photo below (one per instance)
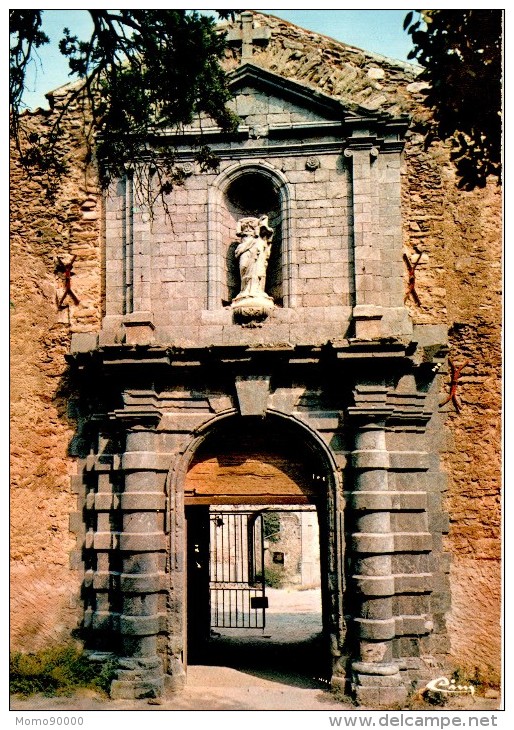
(461, 52)
(438, 699)
(145, 75)
(271, 521)
(274, 576)
(59, 670)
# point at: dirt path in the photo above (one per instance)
(276, 668)
(222, 688)
(208, 688)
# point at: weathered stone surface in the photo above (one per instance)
(456, 236)
(253, 394)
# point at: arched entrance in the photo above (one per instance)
(246, 477)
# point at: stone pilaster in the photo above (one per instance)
(367, 311)
(128, 244)
(142, 546)
(374, 161)
(102, 504)
(376, 677)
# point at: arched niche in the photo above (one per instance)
(253, 194)
(243, 190)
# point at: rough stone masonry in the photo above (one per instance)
(344, 369)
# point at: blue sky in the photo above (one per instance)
(380, 31)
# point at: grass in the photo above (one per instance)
(274, 576)
(59, 670)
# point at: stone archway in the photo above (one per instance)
(250, 463)
(253, 461)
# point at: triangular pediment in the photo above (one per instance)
(297, 98)
(270, 105)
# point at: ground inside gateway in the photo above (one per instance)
(287, 650)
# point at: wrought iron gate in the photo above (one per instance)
(236, 570)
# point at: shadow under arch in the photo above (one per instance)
(325, 494)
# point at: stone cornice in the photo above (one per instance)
(120, 356)
(140, 409)
(377, 403)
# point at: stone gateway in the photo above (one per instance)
(336, 368)
(257, 349)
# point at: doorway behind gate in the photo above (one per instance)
(254, 596)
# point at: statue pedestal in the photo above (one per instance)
(251, 310)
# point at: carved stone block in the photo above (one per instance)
(252, 394)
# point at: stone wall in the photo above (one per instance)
(44, 593)
(458, 281)
(283, 554)
(177, 249)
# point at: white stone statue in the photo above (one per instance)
(253, 253)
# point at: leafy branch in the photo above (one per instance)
(461, 52)
(141, 73)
